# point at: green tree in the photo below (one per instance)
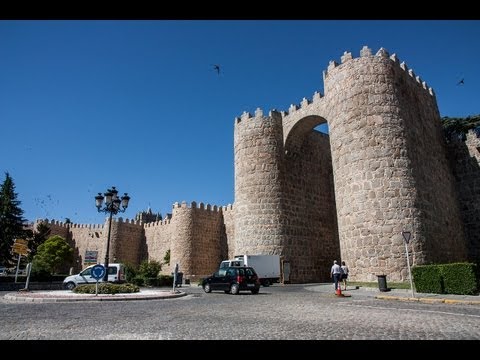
(166, 258)
(457, 127)
(11, 220)
(37, 238)
(130, 271)
(54, 254)
(149, 269)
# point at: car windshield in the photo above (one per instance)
(86, 272)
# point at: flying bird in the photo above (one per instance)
(461, 82)
(217, 68)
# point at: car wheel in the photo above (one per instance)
(70, 286)
(266, 283)
(255, 291)
(207, 288)
(234, 289)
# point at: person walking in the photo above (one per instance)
(336, 274)
(344, 275)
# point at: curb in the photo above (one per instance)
(25, 297)
(429, 300)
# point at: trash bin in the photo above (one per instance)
(179, 279)
(382, 282)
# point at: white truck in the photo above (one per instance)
(267, 267)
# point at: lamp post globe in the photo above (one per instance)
(113, 205)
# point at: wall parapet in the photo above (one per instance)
(382, 53)
(195, 205)
(69, 225)
(304, 105)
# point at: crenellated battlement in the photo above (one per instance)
(199, 206)
(120, 220)
(127, 221)
(87, 226)
(304, 105)
(69, 225)
(381, 53)
(157, 223)
(227, 208)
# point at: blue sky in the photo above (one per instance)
(85, 105)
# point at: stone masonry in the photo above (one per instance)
(309, 197)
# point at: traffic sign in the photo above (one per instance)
(91, 257)
(406, 236)
(21, 241)
(20, 249)
(98, 271)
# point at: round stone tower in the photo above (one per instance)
(258, 143)
(182, 246)
(390, 169)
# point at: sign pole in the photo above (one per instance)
(29, 269)
(18, 266)
(98, 272)
(406, 238)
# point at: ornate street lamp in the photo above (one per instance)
(113, 205)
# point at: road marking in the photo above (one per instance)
(417, 310)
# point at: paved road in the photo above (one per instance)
(290, 312)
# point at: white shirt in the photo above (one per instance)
(336, 269)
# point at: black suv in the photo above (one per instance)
(232, 280)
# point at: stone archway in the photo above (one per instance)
(309, 201)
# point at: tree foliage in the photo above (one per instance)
(37, 238)
(54, 254)
(11, 220)
(149, 269)
(456, 127)
(166, 258)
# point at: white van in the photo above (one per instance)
(227, 263)
(116, 274)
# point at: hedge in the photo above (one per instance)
(159, 281)
(428, 279)
(106, 288)
(459, 278)
(455, 278)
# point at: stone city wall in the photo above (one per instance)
(465, 162)
(312, 198)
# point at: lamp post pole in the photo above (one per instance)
(107, 254)
(113, 205)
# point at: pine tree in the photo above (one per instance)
(11, 220)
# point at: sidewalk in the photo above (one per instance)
(67, 296)
(398, 294)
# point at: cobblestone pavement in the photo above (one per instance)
(277, 312)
